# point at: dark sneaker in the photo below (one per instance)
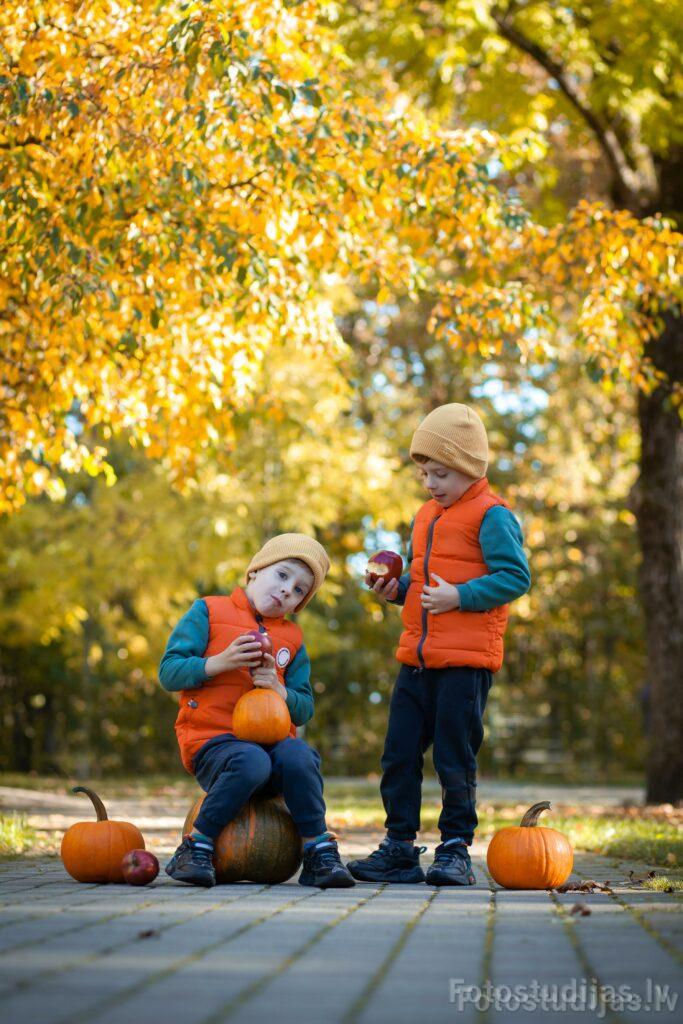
(391, 862)
(192, 863)
(452, 866)
(323, 867)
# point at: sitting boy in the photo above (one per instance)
(211, 661)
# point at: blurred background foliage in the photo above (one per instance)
(90, 588)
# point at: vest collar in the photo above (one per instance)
(240, 600)
(474, 490)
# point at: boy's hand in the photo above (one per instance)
(266, 676)
(444, 597)
(385, 591)
(244, 652)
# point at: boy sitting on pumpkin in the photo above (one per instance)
(211, 661)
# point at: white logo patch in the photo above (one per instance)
(283, 657)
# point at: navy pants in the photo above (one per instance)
(444, 707)
(230, 771)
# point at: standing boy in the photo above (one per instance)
(467, 563)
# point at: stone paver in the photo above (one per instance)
(372, 954)
(90, 954)
(447, 941)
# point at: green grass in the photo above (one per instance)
(109, 788)
(650, 840)
(630, 835)
(662, 883)
(645, 834)
(16, 836)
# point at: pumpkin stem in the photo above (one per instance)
(531, 816)
(97, 803)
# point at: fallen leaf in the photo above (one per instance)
(588, 885)
(149, 933)
(580, 908)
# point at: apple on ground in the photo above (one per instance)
(140, 867)
(385, 565)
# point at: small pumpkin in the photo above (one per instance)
(92, 851)
(260, 845)
(261, 716)
(528, 856)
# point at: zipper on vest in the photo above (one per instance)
(425, 613)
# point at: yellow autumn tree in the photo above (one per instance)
(180, 183)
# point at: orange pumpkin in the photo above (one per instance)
(260, 845)
(261, 716)
(529, 856)
(92, 851)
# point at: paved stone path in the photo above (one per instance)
(167, 953)
(247, 953)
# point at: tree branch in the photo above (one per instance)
(30, 140)
(637, 189)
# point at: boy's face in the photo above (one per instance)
(279, 588)
(444, 484)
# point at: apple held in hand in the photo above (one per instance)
(385, 565)
(140, 867)
(264, 640)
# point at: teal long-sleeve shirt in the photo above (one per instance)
(183, 665)
(508, 577)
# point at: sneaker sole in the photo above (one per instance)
(403, 875)
(205, 884)
(445, 880)
(341, 882)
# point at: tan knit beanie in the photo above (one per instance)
(455, 436)
(294, 545)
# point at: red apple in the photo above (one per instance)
(385, 565)
(139, 867)
(264, 640)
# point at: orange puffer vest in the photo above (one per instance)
(206, 711)
(446, 542)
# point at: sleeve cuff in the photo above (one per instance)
(199, 675)
(403, 584)
(465, 592)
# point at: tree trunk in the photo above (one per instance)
(659, 510)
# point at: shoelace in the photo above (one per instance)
(384, 848)
(328, 855)
(393, 849)
(446, 856)
(201, 853)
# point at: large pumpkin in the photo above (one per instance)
(260, 845)
(528, 856)
(261, 716)
(92, 851)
